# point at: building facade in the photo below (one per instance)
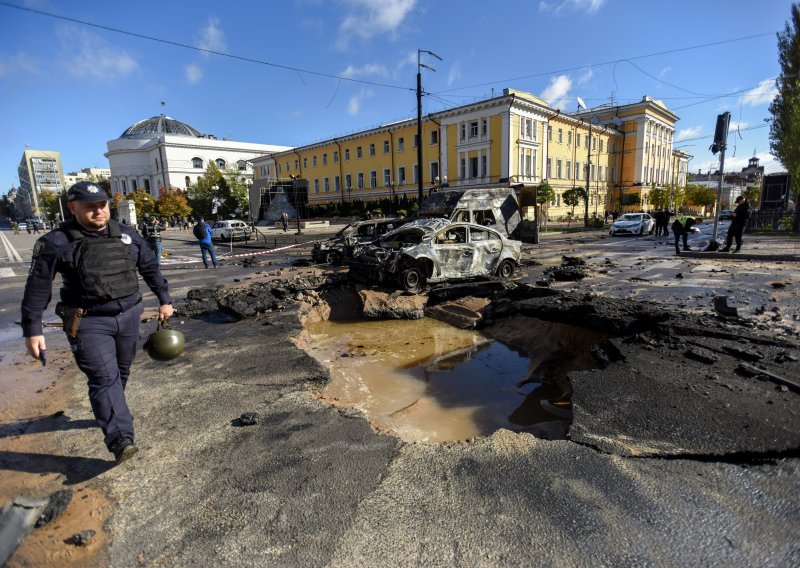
(161, 152)
(38, 171)
(515, 139)
(86, 174)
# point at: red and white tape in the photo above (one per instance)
(263, 251)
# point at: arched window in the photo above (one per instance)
(197, 163)
(220, 163)
(187, 181)
(241, 165)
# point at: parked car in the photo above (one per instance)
(22, 226)
(231, 230)
(336, 249)
(435, 250)
(725, 215)
(633, 224)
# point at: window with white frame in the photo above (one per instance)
(550, 133)
(288, 168)
(601, 144)
(296, 164)
(484, 127)
(415, 171)
(463, 131)
(326, 185)
(577, 170)
(473, 129)
(385, 146)
(360, 178)
(373, 178)
(484, 169)
(241, 165)
(314, 160)
(401, 175)
(197, 162)
(347, 154)
(387, 177)
(473, 167)
(560, 136)
(220, 163)
(348, 182)
(434, 137)
(401, 143)
(434, 170)
(558, 169)
(594, 142)
(358, 152)
(335, 157)
(569, 169)
(549, 167)
(324, 159)
(337, 184)
(372, 149)
(305, 162)
(462, 168)
(577, 139)
(569, 137)
(316, 186)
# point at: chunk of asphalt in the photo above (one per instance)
(249, 419)
(17, 518)
(702, 355)
(57, 504)
(82, 538)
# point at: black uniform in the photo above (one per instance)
(738, 220)
(98, 276)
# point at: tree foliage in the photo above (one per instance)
(700, 196)
(573, 197)
(785, 107)
(545, 193)
(144, 202)
(172, 202)
(752, 194)
(48, 201)
(659, 197)
(228, 187)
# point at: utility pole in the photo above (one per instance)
(420, 65)
(588, 173)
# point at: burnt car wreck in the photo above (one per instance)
(433, 251)
(339, 247)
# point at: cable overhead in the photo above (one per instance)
(654, 54)
(203, 50)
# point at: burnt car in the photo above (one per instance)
(336, 249)
(434, 251)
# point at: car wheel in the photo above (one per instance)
(411, 279)
(641, 230)
(611, 233)
(506, 269)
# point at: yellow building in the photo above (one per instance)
(514, 139)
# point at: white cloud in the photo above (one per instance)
(663, 72)
(370, 69)
(585, 76)
(454, 74)
(20, 62)
(354, 105)
(690, 132)
(368, 18)
(762, 94)
(211, 36)
(193, 74)
(734, 125)
(88, 55)
(561, 7)
(557, 92)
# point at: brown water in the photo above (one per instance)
(426, 380)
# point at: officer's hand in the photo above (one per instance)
(165, 311)
(35, 345)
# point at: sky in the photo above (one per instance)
(294, 72)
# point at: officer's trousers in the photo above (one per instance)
(104, 350)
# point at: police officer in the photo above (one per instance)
(681, 229)
(151, 231)
(739, 219)
(100, 303)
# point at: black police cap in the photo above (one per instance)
(87, 192)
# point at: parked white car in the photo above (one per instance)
(633, 224)
(231, 230)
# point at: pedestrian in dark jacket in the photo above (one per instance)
(681, 229)
(100, 306)
(739, 219)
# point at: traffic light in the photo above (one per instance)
(721, 132)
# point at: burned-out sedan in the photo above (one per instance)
(435, 250)
(336, 249)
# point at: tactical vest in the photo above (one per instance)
(152, 231)
(104, 268)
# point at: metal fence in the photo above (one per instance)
(769, 220)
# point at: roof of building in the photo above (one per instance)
(158, 125)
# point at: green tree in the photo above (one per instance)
(144, 202)
(48, 202)
(544, 195)
(172, 202)
(700, 196)
(212, 185)
(752, 194)
(785, 107)
(659, 197)
(678, 196)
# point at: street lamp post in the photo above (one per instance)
(215, 202)
(420, 65)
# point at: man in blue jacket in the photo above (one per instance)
(100, 306)
(203, 234)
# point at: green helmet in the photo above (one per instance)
(164, 344)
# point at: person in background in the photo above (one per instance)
(100, 306)
(202, 233)
(739, 218)
(151, 231)
(681, 229)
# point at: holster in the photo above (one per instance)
(71, 318)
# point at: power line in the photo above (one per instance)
(203, 50)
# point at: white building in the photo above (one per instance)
(162, 152)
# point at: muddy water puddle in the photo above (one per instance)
(426, 380)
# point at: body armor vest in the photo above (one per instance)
(104, 269)
(152, 231)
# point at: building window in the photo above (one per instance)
(463, 131)
(124, 187)
(549, 167)
(550, 133)
(335, 157)
(324, 159)
(558, 168)
(241, 165)
(360, 178)
(577, 170)
(133, 185)
(484, 127)
(599, 173)
(577, 139)
(305, 162)
(358, 152)
(372, 149)
(156, 161)
(594, 142)
(401, 144)
(416, 174)
(434, 170)
(601, 144)
(569, 169)
(569, 138)
(462, 168)
(473, 167)
(288, 169)
(385, 146)
(314, 160)
(187, 182)
(316, 186)
(348, 182)
(373, 179)
(484, 171)
(197, 163)
(560, 136)
(337, 184)
(401, 175)
(326, 185)
(434, 137)
(387, 177)
(473, 129)
(220, 163)
(347, 154)
(593, 172)
(296, 164)
(416, 140)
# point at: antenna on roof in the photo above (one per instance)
(581, 104)
(163, 104)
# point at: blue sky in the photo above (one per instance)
(71, 87)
